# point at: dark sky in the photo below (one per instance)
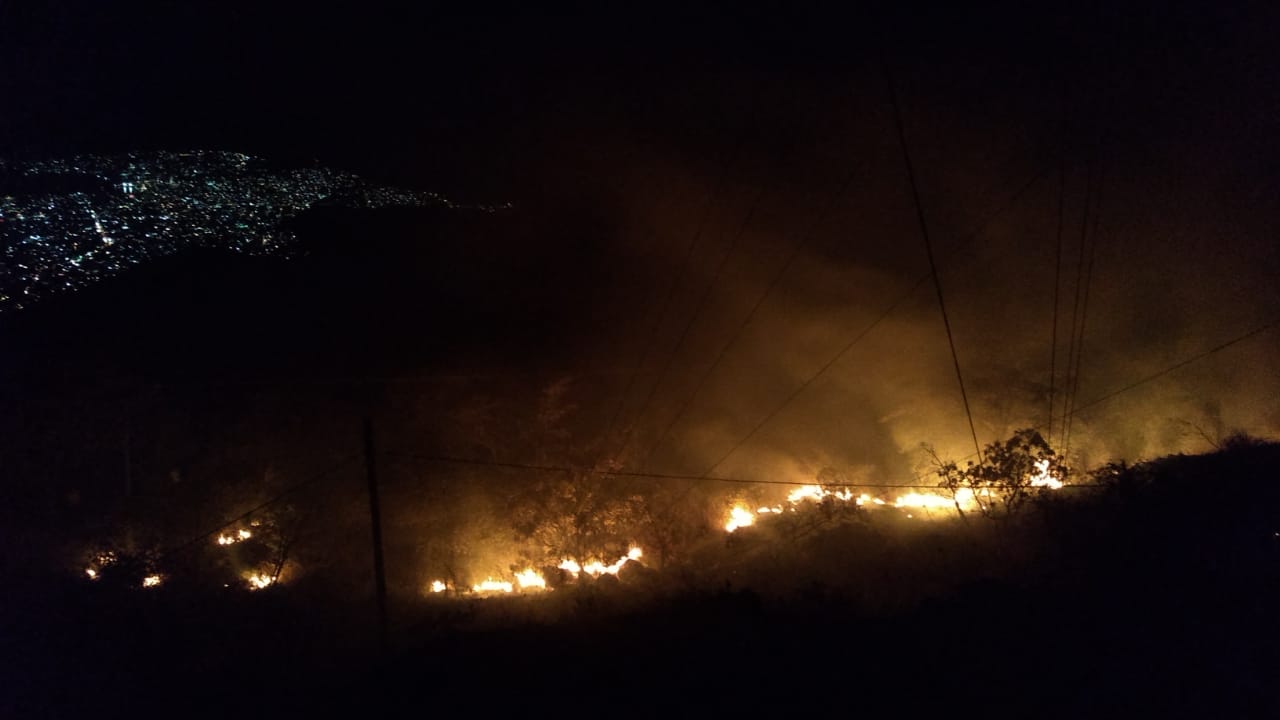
(617, 135)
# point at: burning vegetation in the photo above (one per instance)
(587, 525)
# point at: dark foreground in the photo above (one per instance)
(1157, 598)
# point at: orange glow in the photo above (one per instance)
(1044, 478)
(493, 586)
(240, 535)
(596, 568)
(964, 499)
(739, 517)
(923, 500)
(100, 561)
(529, 579)
(258, 581)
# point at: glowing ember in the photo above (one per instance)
(438, 586)
(151, 581)
(100, 561)
(258, 581)
(242, 534)
(739, 517)
(491, 585)
(530, 580)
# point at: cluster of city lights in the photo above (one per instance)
(66, 224)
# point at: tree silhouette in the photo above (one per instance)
(1011, 473)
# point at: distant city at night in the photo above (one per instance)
(68, 223)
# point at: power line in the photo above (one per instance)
(1172, 368)
(1084, 310)
(928, 246)
(562, 469)
(702, 223)
(447, 459)
(653, 333)
(889, 310)
(261, 506)
(1057, 274)
(742, 228)
(1075, 304)
(794, 254)
(1138, 383)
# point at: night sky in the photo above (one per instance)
(665, 166)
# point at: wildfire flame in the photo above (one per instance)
(923, 501)
(438, 586)
(151, 581)
(242, 534)
(965, 498)
(596, 568)
(739, 517)
(100, 561)
(805, 492)
(529, 579)
(526, 580)
(491, 585)
(1043, 478)
(258, 581)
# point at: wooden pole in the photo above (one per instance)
(375, 521)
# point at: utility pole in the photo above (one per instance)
(127, 447)
(128, 466)
(375, 521)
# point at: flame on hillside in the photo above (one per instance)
(963, 499)
(100, 561)
(526, 580)
(1044, 478)
(596, 568)
(239, 536)
(258, 581)
(493, 586)
(739, 517)
(530, 580)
